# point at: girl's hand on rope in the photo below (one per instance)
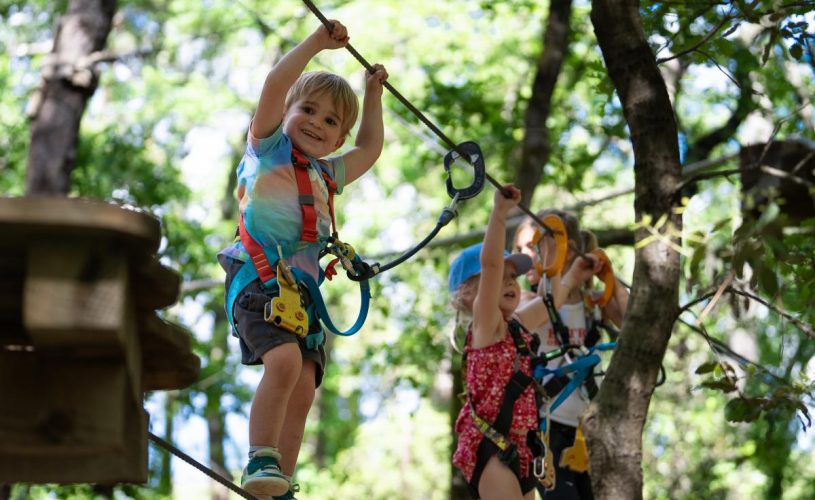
(375, 80)
(337, 38)
(506, 198)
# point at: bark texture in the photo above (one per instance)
(616, 418)
(68, 80)
(536, 145)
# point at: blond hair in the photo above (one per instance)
(464, 312)
(336, 87)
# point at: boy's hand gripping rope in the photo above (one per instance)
(460, 149)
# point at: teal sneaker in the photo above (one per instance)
(262, 476)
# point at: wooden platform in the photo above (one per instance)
(80, 340)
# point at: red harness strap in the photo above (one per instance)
(256, 253)
(308, 230)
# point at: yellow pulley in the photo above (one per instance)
(286, 310)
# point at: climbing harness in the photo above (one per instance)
(497, 431)
(578, 373)
(298, 302)
(576, 456)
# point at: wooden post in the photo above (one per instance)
(80, 340)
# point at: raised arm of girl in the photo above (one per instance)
(497, 282)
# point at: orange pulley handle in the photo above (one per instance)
(555, 223)
(606, 276)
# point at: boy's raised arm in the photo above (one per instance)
(371, 133)
(282, 76)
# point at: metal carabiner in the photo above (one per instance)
(474, 158)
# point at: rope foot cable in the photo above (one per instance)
(209, 472)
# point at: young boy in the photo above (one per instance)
(300, 118)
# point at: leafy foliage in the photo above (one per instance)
(165, 128)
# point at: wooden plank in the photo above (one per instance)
(167, 358)
(75, 295)
(154, 286)
(51, 403)
(67, 218)
(12, 275)
(63, 465)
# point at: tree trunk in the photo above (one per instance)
(536, 146)
(615, 420)
(68, 80)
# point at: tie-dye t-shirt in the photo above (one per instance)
(268, 199)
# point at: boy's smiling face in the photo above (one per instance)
(314, 125)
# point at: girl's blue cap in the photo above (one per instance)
(468, 263)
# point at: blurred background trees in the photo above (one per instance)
(164, 127)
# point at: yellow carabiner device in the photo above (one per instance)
(555, 223)
(607, 277)
(576, 457)
(286, 310)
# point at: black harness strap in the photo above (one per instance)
(498, 430)
(592, 337)
(561, 330)
(556, 384)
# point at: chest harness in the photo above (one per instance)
(497, 432)
(299, 303)
(577, 374)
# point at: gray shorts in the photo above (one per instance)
(256, 335)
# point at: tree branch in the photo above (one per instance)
(699, 43)
(801, 325)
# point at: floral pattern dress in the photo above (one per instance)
(488, 371)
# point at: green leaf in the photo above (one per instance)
(723, 385)
(707, 367)
(768, 280)
(743, 409)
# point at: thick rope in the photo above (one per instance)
(441, 135)
(209, 472)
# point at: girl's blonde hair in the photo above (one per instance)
(464, 313)
(316, 83)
